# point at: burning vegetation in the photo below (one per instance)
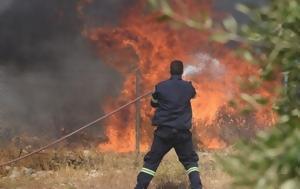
(141, 42)
(100, 51)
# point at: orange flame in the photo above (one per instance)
(144, 43)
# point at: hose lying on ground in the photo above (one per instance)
(76, 131)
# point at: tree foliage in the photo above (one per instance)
(272, 36)
(273, 159)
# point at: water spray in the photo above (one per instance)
(202, 62)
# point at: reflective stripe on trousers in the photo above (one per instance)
(148, 171)
(191, 169)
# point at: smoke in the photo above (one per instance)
(51, 81)
(202, 63)
(5, 4)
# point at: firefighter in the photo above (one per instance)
(173, 118)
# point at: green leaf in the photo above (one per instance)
(248, 56)
(296, 112)
(154, 3)
(193, 24)
(208, 23)
(163, 18)
(223, 37)
(166, 8)
(262, 101)
(290, 184)
(284, 118)
(242, 8)
(230, 24)
(250, 99)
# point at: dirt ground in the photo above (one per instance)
(109, 171)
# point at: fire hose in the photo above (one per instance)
(76, 131)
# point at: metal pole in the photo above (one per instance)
(138, 112)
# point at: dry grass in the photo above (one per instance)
(94, 170)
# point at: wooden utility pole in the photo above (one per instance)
(138, 112)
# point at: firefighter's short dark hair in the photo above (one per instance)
(176, 67)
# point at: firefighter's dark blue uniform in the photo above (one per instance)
(173, 118)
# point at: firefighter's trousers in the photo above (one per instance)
(164, 140)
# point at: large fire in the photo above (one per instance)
(141, 42)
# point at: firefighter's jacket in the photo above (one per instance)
(171, 99)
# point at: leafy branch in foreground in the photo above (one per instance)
(273, 159)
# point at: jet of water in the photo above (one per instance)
(201, 63)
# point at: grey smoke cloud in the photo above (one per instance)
(50, 77)
(5, 4)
